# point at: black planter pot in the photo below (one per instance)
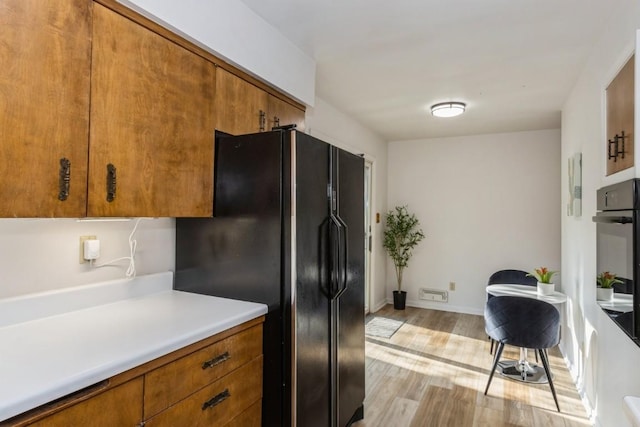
(399, 299)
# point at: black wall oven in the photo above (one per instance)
(618, 240)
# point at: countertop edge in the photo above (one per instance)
(84, 378)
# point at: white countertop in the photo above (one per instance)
(526, 291)
(55, 343)
(621, 303)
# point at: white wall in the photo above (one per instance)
(326, 123)
(43, 254)
(602, 359)
(484, 202)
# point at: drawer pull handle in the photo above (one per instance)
(64, 179)
(216, 400)
(216, 360)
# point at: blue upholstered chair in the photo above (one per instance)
(514, 277)
(522, 322)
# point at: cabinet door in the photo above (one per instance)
(152, 105)
(282, 113)
(620, 118)
(239, 105)
(44, 97)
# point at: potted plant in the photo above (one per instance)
(400, 237)
(606, 280)
(544, 275)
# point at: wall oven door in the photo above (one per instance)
(617, 254)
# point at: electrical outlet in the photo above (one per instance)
(452, 286)
(82, 239)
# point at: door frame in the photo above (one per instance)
(369, 235)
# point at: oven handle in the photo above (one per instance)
(613, 219)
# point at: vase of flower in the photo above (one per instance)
(604, 294)
(606, 280)
(544, 275)
(546, 288)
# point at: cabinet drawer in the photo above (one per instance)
(119, 406)
(175, 381)
(219, 403)
(252, 417)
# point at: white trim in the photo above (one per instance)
(441, 306)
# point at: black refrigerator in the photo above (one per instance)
(288, 231)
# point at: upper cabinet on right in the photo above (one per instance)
(242, 107)
(620, 120)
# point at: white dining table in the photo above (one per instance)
(508, 290)
(522, 369)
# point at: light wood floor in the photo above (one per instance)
(433, 371)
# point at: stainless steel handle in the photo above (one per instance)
(613, 219)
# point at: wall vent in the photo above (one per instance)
(434, 295)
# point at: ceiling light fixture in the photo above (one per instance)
(448, 109)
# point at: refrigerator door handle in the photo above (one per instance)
(334, 257)
(344, 251)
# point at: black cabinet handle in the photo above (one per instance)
(111, 182)
(616, 142)
(216, 360)
(216, 400)
(263, 120)
(276, 121)
(65, 179)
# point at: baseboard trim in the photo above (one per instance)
(378, 306)
(439, 306)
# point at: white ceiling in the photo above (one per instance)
(513, 62)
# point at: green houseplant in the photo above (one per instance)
(606, 280)
(544, 276)
(401, 235)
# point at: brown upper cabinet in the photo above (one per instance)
(280, 113)
(152, 123)
(151, 116)
(242, 107)
(620, 125)
(44, 99)
(105, 113)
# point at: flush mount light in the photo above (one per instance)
(448, 109)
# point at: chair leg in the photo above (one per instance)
(547, 370)
(496, 359)
(491, 348)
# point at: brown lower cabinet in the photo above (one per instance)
(214, 382)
